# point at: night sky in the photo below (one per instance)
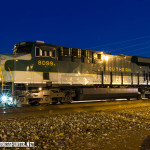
(116, 26)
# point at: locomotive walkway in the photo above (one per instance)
(118, 125)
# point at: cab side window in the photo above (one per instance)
(54, 53)
(65, 51)
(37, 51)
(99, 56)
(75, 52)
(47, 53)
(43, 53)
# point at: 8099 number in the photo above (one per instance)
(45, 63)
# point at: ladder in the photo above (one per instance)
(6, 87)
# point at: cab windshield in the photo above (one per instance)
(22, 48)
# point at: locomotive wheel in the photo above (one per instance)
(33, 102)
(128, 99)
(55, 101)
(61, 100)
(68, 98)
(139, 97)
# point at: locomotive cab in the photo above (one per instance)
(23, 48)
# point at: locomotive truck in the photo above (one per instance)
(37, 73)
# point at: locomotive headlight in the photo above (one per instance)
(10, 99)
(106, 58)
(40, 89)
(4, 99)
(7, 100)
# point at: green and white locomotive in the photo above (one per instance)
(37, 72)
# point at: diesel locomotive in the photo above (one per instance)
(37, 72)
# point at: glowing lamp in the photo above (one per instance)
(40, 89)
(106, 58)
(10, 99)
(4, 98)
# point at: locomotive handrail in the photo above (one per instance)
(1, 74)
(11, 79)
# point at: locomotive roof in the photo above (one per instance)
(34, 43)
(142, 60)
(46, 46)
(43, 45)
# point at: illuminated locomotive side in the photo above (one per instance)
(43, 73)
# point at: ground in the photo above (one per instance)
(122, 125)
